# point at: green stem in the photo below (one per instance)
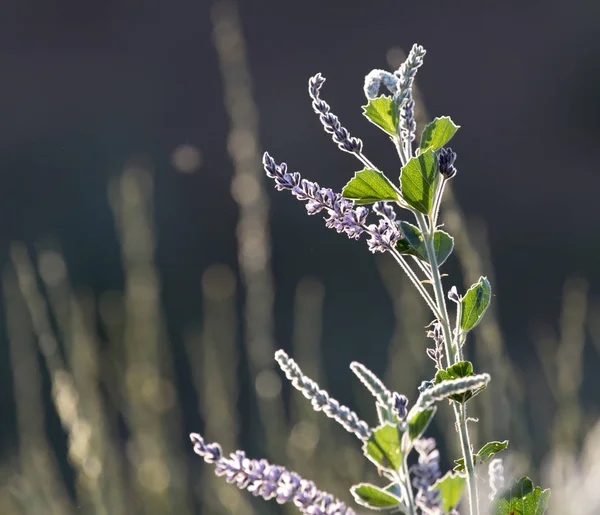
(460, 412)
(415, 280)
(409, 490)
(438, 289)
(451, 358)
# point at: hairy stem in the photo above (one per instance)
(415, 280)
(438, 289)
(451, 358)
(460, 412)
(411, 498)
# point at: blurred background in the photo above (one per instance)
(150, 269)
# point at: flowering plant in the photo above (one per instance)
(420, 249)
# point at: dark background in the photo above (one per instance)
(86, 86)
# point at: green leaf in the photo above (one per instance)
(374, 497)
(443, 243)
(474, 304)
(382, 112)
(418, 422)
(383, 447)
(451, 488)
(419, 179)
(521, 498)
(485, 454)
(369, 186)
(456, 371)
(437, 133)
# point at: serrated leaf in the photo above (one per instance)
(368, 186)
(419, 421)
(456, 371)
(451, 488)
(521, 498)
(384, 447)
(413, 243)
(374, 497)
(437, 133)
(474, 304)
(484, 455)
(419, 179)
(382, 111)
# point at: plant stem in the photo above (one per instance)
(438, 289)
(409, 491)
(415, 280)
(451, 358)
(460, 412)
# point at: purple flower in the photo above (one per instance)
(400, 403)
(342, 215)
(425, 474)
(406, 73)
(330, 122)
(446, 158)
(268, 481)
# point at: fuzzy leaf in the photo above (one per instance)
(382, 112)
(374, 497)
(419, 421)
(383, 447)
(485, 454)
(451, 488)
(474, 304)
(437, 133)
(521, 498)
(443, 243)
(368, 186)
(419, 179)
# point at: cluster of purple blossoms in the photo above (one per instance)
(425, 474)
(343, 216)
(406, 73)
(446, 158)
(268, 481)
(400, 403)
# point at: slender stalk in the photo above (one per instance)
(415, 280)
(437, 287)
(451, 358)
(409, 490)
(460, 412)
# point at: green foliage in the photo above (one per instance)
(437, 133)
(451, 488)
(382, 111)
(374, 497)
(485, 454)
(474, 304)
(418, 180)
(368, 186)
(419, 421)
(521, 498)
(414, 243)
(384, 447)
